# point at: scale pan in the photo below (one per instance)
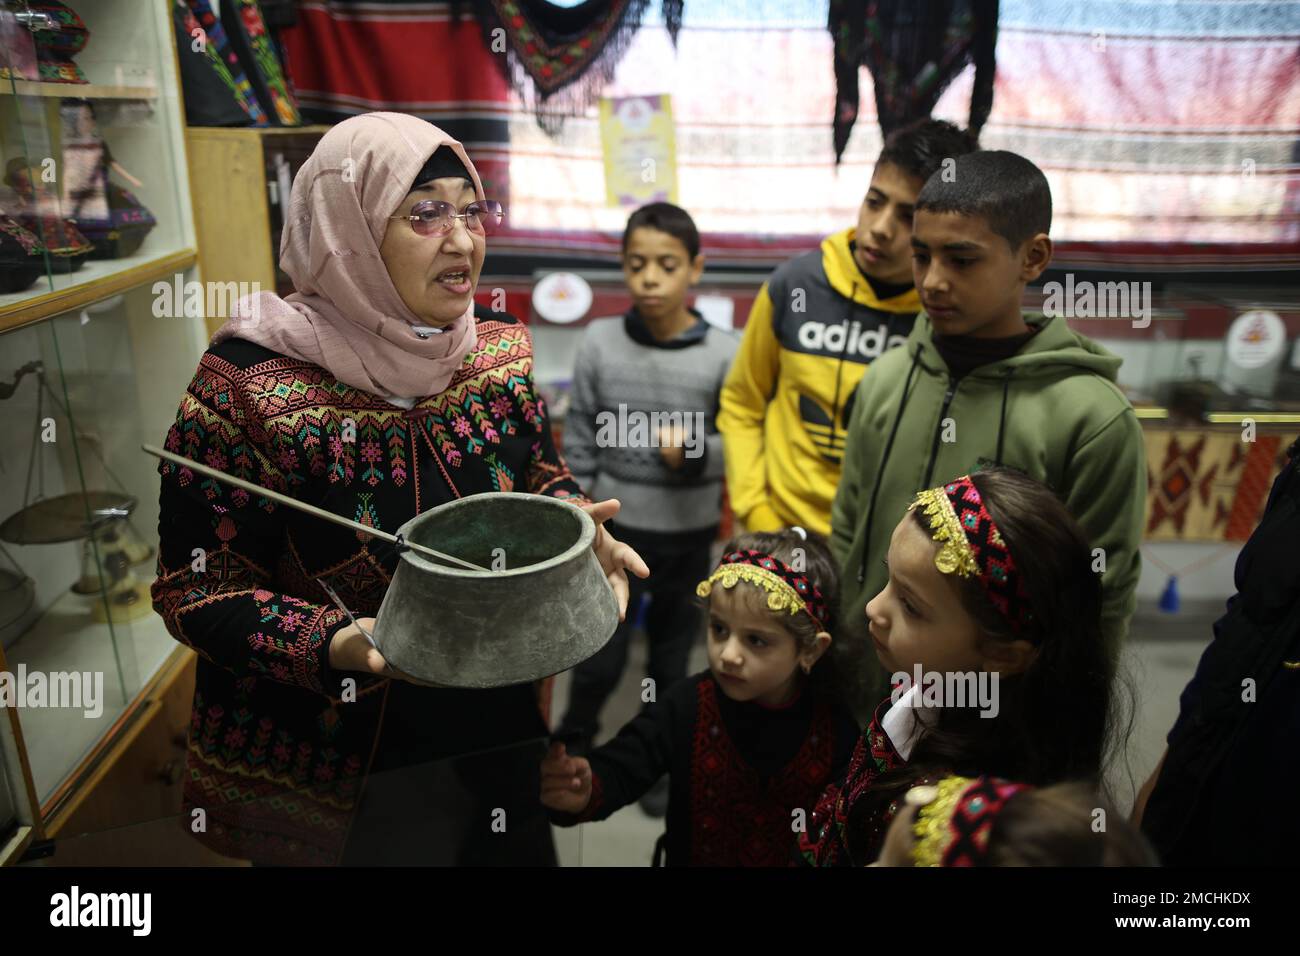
(55, 520)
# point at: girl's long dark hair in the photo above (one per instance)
(814, 555)
(1061, 718)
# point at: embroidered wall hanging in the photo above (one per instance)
(1208, 485)
(563, 57)
(260, 59)
(216, 89)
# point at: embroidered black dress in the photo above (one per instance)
(737, 771)
(848, 826)
(277, 757)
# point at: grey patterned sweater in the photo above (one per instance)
(626, 386)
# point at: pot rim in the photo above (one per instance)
(586, 536)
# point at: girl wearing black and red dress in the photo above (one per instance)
(748, 744)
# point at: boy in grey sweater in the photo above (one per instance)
(641, 429)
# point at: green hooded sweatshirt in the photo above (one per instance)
(1052, 410)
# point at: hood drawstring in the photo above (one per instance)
(884, 460)
(1002, 420)
(839, 375)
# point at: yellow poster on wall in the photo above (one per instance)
(640, 146)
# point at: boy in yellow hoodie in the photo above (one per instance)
(818, 322)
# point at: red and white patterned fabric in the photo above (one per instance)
(1168, 131)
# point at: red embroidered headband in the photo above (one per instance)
(787, 589)
(972, 546)
(956, 816)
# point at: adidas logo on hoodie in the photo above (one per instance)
(847, 338)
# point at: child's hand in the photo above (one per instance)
(566, 781)
(672, 438)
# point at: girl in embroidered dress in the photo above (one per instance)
(749, 743)
(991, 585)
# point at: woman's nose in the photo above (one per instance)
(459, 239)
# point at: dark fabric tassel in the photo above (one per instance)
(848, 25)
(673, 10)
(914, 51)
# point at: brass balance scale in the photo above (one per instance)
(100, 519)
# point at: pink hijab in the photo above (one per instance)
(346, 315)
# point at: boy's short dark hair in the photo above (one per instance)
(668, 218)
(920, 148)
(1004, 189)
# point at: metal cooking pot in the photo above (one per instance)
(543, 606)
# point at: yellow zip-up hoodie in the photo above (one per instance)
(814, 328)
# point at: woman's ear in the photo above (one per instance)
(813, 650)
(1008, 657)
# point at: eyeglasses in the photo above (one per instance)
(433, 217)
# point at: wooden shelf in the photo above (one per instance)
(12, 850)
(88, 91)
(1261, 418)
(259, 132)
(95, 280)
(1266, 420)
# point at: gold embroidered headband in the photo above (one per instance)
(971, 545)
(956, 816)
(787, 589)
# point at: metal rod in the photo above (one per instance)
(304, 507)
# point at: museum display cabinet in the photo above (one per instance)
(1213, 372)
(96, 348)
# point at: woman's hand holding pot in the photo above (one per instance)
(616, 558)
(351, 651)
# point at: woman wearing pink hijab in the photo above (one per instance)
(377, 390)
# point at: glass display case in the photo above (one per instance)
(94, 191)
(99, 337)
(80, 393)
(1195, 353)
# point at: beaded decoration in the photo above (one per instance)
(955, 554)
(787, 589)
(970, 545)
(952, 827)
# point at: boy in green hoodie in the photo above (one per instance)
(977, 382)
(816, 324)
